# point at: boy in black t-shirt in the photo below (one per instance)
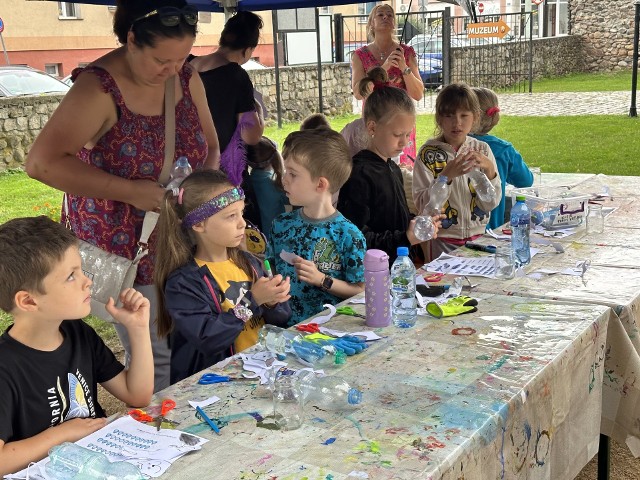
(49, 365)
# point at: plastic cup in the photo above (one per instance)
(288, 403)
(504, 263)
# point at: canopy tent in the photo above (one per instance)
(256, 5)
(238, 5)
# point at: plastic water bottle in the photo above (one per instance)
(69, 461)
(424, 228)
(520, 222)
(377, 284)
(281, 342)
(328, 393)
(403, 290)
(181, 169)
(482, 185)
(438, 195)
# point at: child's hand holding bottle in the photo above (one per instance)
(271, 291)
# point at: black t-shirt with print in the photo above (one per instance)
(43, 389)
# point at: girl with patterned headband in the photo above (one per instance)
(214, 296)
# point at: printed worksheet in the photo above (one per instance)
(125, 439)
(478, 266)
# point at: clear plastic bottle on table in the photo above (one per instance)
(403, 290)
(329, 393)
(70, 461)
(520, 225)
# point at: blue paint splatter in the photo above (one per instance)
(318, 420)
(527, 430)
(329, 441)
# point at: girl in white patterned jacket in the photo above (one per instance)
(454, 154)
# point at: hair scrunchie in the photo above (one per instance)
(492, 111)
(379, 85)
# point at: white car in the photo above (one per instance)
(16, 80)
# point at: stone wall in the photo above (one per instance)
(20, 122)
(299, 90)
(22, 118)
(552, 57)
(606, 28)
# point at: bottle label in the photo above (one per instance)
(400, 285)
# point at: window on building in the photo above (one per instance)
(365, 9)
(524, 19)
(53, 69)
(556, 18)
(68, 10)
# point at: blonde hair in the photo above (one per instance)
(386, 100)
(454, 97)
(371, 34)
(175, 246)
(323, 152)
(487, 99)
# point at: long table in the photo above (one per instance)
(511, 391)
(521, 388)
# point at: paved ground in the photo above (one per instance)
(549, 104)
(555, 104)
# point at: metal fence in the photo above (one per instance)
(446, 54)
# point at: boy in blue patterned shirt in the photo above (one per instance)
(327, 250)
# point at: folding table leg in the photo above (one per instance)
(604, 452)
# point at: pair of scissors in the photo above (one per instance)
(166, 407)
(308, 327)
(344, 310)
(211, 378)
(433, 277)
(140, 415)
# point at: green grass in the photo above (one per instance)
(585, 82)
(583, 144)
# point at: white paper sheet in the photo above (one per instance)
(127, 440)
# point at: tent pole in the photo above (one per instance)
(634, 69)
(276, 60)
(319, 52)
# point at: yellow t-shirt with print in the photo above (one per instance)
(234, 283)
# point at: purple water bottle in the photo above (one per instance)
(376, 288)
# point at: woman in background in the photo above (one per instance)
(397, 59)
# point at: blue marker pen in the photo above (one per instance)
(481, 248)
(212, 424)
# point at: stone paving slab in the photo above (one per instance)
(547, 104)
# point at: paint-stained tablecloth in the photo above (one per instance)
(510, 391)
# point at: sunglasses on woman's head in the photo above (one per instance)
(170, 16)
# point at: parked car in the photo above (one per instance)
(18, 80)
(430, 69)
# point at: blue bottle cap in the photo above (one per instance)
(355, 396)
(403, 251)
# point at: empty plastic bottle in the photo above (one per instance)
(482, 185)
(329, 393)
(281, 342)
(424, 228)
(181, 169)
(520, 223)
(70, 461)
(438, 195)
(403, 290)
